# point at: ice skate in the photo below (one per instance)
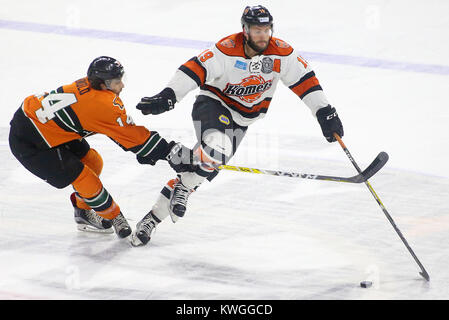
(178, 200)
(89, 221)
(121, 226)
(144, 229)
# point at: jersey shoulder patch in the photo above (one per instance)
(278, 47)
(118, 102)
(232, 45)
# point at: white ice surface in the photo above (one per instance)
(244, 236)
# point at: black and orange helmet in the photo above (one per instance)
(256, 15)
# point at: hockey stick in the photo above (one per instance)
(423, 272)
(375, 166)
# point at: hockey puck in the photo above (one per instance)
(366, 284)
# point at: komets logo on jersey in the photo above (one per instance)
(249, 89)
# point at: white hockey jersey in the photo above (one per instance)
(246, 86)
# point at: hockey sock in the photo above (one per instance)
(91, 190)
(94, 161)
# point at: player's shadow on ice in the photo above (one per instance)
(98, 247)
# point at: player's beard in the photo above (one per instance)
(256, 47)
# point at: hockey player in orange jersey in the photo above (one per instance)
(48, 134)
(237, 78)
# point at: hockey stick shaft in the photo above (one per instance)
(423, 272)
(355, 179)
(371, 170)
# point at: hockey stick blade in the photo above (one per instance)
(371, 170)
(425, 275)
(374, 167)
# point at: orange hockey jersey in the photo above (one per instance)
(77, 110)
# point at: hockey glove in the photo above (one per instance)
(180, 158)
(158, 151)
(163, 101)
(330, 122)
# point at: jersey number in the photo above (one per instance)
(206, 55)
(304, 63)
(129, 121)
(53, 103)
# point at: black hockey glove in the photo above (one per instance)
(163, 101)
(180, 158)
(330, 122)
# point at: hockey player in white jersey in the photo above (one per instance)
(237, 78)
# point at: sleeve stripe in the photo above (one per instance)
(194, 70)
(154, 146)
(191, 74)
(149, 144)
(304, 78)
(312, 89)
(67, 120)
(305, 85)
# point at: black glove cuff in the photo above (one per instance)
(159, 152)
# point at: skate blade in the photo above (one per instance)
(135, 241)
(88, 228)
(174, 217)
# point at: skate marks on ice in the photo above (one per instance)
(351, 221)
(244, 236)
